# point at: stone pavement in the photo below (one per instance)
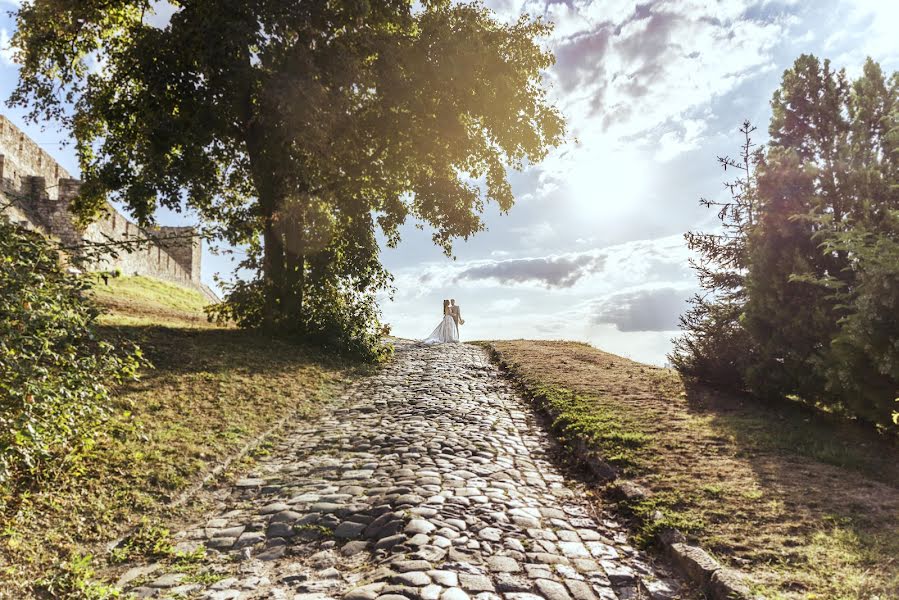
(430, 481)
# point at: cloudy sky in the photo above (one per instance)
(593, 249)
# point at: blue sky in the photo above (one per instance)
(593, 249)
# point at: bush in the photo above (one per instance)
(54, 371)
(330, 297)
(333, 318)
(862, 366)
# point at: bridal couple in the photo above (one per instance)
(448, 330)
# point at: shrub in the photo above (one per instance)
(55, 372)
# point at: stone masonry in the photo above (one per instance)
(428, 481)
(35, 192)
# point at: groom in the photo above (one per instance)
(456, 312)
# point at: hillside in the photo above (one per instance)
(204, 396)
(803, 504)
(137, 300)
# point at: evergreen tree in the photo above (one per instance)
(824, 189)
(802, 298)
(715, 346)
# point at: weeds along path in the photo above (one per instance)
(430, 481)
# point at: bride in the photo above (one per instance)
(448, 329)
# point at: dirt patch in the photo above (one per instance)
(806, 505)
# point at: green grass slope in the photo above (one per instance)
(140, 300)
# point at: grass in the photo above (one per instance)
(805, 504)
(136, 301)
(210, 391)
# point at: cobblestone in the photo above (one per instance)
(430, 480)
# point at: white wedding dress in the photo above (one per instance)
(447, 331)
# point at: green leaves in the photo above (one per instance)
(808, 304)
(295, 128)
(54, 373)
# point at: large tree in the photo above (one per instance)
(298, 127)
(803, 288)
(830, 170)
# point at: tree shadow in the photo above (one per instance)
(183, 350)
(826, 487)
(790, 428)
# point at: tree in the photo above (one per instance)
(825, 186)
(862, 369)
(715, 346)
(295, 127)
(803, 293)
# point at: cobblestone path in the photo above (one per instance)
(429, 482)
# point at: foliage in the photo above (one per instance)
(54, 371)
(811, 309)
(660, 512)
(296, 129)
(864, 353)
(341, 315)
(715, 346)
(581, 418)
(72, 581)
(146, 541)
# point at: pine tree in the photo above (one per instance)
(715, 347)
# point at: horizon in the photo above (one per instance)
(593, 249)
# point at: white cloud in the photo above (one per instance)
(608, 269)
(647, 309)
(685, 136)
(637, 82)
(504, 305)
(6, 51)
(866, 28)
(533, 236)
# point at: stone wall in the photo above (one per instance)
(183, 246)
(21, 159)
(36, 192)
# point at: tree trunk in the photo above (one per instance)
(270, 203)
(295, 258)
(272, 271)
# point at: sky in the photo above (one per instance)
(593, 249)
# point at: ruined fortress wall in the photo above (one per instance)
(186, 251)
(37, 193)
(22, 159)
(149, 259)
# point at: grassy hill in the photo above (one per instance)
(205, 393)
(805, 504)
(144, 301)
